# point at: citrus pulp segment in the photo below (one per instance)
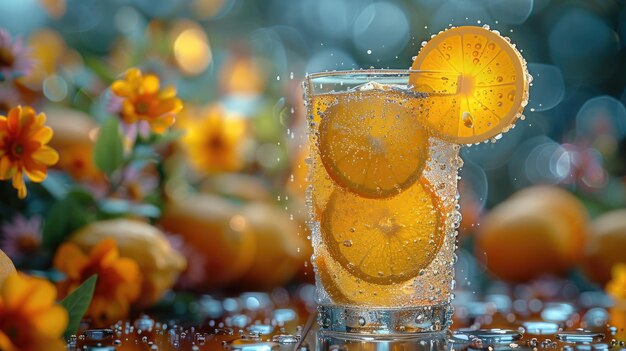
(371, 143)
(493, 84)
(384, 241)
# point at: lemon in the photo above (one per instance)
(160, 264)
(6, 267)
(216, 229)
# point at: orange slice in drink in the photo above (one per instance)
(371, 143)
(346, 289)
(384, 241)
(492, 84)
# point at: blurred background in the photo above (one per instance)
(233, 163)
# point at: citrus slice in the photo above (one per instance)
(492, 84)
(384, 241)
(371, 144)
(345, 289)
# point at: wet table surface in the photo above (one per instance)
(264, 321)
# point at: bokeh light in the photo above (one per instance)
(192, 52)
(582, 39)
(511, 11)
(602, 115)
(539, 160)
(380, 30)
(548, 87)
(460, 12)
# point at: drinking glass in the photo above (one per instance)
(382, 201)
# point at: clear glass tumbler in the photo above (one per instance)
(382, 201)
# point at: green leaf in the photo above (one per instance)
(109, 149)
(65, 216)
(77, 303)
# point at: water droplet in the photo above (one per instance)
(285, 339)
(369, 52)
(347, 243)
(361, 321)
(511, 95)
(467, 119)
(579, 336)
(98, 334)
(540, 327)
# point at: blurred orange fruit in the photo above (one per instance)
(73, 132)
(563, 203)
(535, 232)
(492, 84)
(6, 267)
(371, 144)
(384, 241)
(237, 186)
(160, 265)
(279, 250)
(607, 241)
(218, 230)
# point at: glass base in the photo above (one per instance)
(379, 323)
(331, 341)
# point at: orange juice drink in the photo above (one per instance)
(383, 170)
(383, 203)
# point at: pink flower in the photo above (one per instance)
(8, 99)
(15, 59)
(138, 182)
(21, 236)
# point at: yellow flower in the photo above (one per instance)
(143, 101)
(214, 142)
(119, 279)
(616, 287)
(23, 149)
(29, 318)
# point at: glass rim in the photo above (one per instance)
(359, 74)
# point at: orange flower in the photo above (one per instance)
(616, 287)
(143, 101)
(23, 149)
(119, 279)
(214, 142)
(29, 318)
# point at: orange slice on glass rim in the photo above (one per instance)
(384, 241)
(371, 144)
(492, 90)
